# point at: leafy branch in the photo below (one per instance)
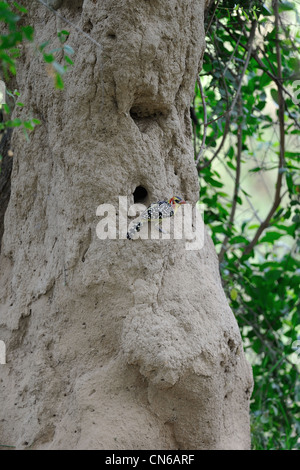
(237, 181)
(234, 101)
(281, 165)
(58, 70)
(257, 251)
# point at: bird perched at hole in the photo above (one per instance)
(156, 212)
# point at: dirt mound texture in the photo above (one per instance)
(113, 344)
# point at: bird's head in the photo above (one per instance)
(176, 201)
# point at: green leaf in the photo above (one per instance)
(63, 35)
(20, 7)
(264, 80)
(270, 237)
(48, 58)
(233, 294)
(266, 11)
(245, 192)
(219, 229)
(231, 166)
(238, 239)
(246, 15)
(15, 123)
(260, 105)
(28, 32)
(231, 152)
(255, 170)
(28, 125)
(286, 6)
(274, 94)
(59, 83)
(214, 182)
(5, 108)
(68, 60)
(292, 155)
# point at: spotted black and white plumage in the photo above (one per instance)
(156, 212)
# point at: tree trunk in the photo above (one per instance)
(113, 344)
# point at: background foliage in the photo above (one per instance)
(246, 139)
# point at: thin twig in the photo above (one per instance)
(228, 116)
(218, 56)
(212, 17)
(250, 46)
(267, 59)
(278, 197)
(216, 119)
(233, 53)
(79, 30)
(260, 62)
(254, 212)
(237, 180)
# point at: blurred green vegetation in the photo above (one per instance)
(14, 34)
(246, 142)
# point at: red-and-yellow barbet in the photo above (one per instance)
(156, 212)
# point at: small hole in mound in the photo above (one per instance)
(133, 115)
(88, 26)
(140, 195)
